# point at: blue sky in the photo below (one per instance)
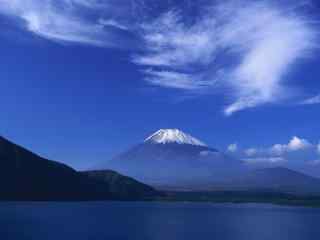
(82, 80)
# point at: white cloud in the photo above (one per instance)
(238, 48)
(297, 152)
(88, 3)
(271, 160)
(175, 79)
(233, 147)
(171, 43)
(112, 23)
(251, 152)
(263, 33)
(263, 39)
(312, 100)
(60, 20)
(295, 144)
(278, 149)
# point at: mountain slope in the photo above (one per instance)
(26, 176)
(122, 186)
(278, 179)
(172, 158)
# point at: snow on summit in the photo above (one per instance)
(164, 136)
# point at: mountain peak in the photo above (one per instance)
(164, 136)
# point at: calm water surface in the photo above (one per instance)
(156, 221)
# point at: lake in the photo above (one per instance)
(156, 221)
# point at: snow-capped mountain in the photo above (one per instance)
(170, 157)
(164, 136)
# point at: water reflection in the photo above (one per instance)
(156, 221)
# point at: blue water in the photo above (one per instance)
(156, 221)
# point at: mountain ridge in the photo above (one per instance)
(280, 179)
(25, 175)
(171, 157)
(122, 186)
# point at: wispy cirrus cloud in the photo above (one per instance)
(176, 79)
(252, 44)
(312, 100)
(174, 51)
(239, 49)
(172, 43)
(63, 20)
(113, 23)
